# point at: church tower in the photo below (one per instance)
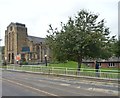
(15, 39)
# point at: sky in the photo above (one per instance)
(38, 14)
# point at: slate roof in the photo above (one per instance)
(36, 39)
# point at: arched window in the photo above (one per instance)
(12, 58)
(37, 49)
(11, 28)
(9, 57)
(38, 52)
(12, 55)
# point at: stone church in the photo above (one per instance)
(20, 46)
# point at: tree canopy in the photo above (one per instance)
(117, 48)
(80, 38)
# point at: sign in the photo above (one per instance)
(25, 49)
(18, 58)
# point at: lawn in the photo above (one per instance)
(69, 64)
(72, 64)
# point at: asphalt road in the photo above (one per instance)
(27, 84)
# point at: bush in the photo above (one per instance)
(25, 63)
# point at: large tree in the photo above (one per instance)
(117, 48)
(81, 37)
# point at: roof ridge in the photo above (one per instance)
(34, 36)
(35, 39)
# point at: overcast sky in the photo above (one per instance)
(38, 14)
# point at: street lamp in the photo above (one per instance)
(46, 60)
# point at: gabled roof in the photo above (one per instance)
(36, 40)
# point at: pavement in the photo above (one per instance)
(28, 84)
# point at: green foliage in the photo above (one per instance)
(117, 48)
(81, 37)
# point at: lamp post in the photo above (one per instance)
(46, 60)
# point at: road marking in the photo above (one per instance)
(55, 79)
(30, 87)
(103, 90)
(98, 83)
(40, 80)
(90, 89)
(26, 78)
(65, 84)
(78, 87)
(107, 91)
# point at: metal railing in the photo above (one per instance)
(109, 74)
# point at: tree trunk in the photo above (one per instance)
(79, 62)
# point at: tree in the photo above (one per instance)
(81, 37)
(117, 48)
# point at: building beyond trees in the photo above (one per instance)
(20, 46)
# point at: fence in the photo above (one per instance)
(109, 74)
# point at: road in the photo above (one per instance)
(27, 84)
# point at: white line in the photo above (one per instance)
(30, 87)
(107, 91)
(65, 84)
(103, 90)
(78, 87)
(55, 79)
(90, 89)
(25, 78)
(40, 80)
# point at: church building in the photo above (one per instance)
(20, 46)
